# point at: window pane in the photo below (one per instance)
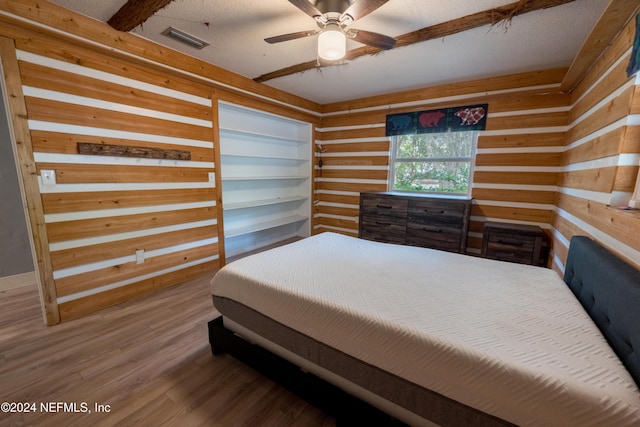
(435, 145)
(447, 177)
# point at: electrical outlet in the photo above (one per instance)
(139, 256)
(48, 177)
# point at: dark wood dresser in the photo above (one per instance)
(438, 222)
(524, 244)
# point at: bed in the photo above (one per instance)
(431, 337)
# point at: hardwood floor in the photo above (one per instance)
(147, 361)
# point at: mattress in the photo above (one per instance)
(507, 339)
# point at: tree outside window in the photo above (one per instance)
(433, 162)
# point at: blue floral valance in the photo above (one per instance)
(455, 119)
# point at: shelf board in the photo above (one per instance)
(261, 178)
(262, 135)
(233, 232)
(265, 202)
(257, 156)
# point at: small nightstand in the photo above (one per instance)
(524, 244)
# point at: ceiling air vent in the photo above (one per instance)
(185, 38)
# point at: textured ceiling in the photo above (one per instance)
(236, 30)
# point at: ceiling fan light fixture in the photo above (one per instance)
(332, 43)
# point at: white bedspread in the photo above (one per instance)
(508, 339)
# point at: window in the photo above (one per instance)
(433, 162)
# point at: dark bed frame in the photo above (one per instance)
(607, 287)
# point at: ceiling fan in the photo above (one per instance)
(333, 17)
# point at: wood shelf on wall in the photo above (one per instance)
(262, 136)
(259, 226)
(256, 156)
(266, 178)
(260, 178)
(265, 202)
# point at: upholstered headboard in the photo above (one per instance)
(609, 289)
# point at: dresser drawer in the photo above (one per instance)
(382, 228)
(431, 222)
(384, 206)
(515, 243)
(434, 236)
(508, 247)
(436, 210)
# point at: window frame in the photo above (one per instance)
(393, 161)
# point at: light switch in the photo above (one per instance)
(48, 177)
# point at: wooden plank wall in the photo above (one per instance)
(601, 157)
(102, 209)
(563, 162)
(517, 163)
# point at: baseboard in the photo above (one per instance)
(18, 281)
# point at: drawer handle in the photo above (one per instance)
(504, 242)
(384, 206)
(383, 223)
(432, 211)
(432, 230)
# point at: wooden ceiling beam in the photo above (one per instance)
(134, 13)
(494, 16)
(614, 18)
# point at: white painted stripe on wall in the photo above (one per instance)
(87, 268)
(84, 188)
(332, 228)
(518, 169)
(354, 168)
(629, 159)
(352, 140)
(605, 162)
(591, 111)
(352, 127)
(443, 99)
(524, 131)
(530, 112)
(337, 205)
(122, 283)
(352, 180)
(78, 243)
(115, 160)
(108, 213)
(561, 238)
(343, 217)
(633, 119)
(338, 193)
(355, 154)
(112, 106)
(478, 218)
(602, 131)
(602, 237)
(108, 77)
(504, 204)
(596, 196)
(494, 186)
(605, 74)
(117, 134)
(523, 150)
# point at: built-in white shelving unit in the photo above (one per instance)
(266, 177)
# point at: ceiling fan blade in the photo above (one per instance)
(361, 8)
(372, 39)
(291, 36)
(306, 7)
